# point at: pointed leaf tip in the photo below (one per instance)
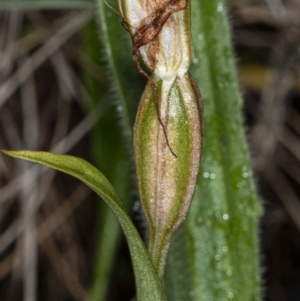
(148, 285)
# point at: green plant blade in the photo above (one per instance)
(107, 140)
(127, 83)
(44, 4)
(218, 242)
(147, 284)
(126, 86)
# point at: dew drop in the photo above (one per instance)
(200, 36)
(245, 174)
(229, 272)
(241, 206)
(217, 257)
(212, 176)
(199, 220)
(195, 60)
(230, 295)
(206, 175)
(225, 217)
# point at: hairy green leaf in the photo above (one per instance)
(106, 139)
(114, 136)
(218, 243)
(126, 81)
(147, 283)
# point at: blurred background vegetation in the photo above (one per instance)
(52, 75)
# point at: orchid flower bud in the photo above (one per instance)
(167, 183)
(168, 127)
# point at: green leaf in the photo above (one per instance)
(148, 285)
(127, 83)
(218, 243)
(126, 86)
(106, 139)
(44, 4)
